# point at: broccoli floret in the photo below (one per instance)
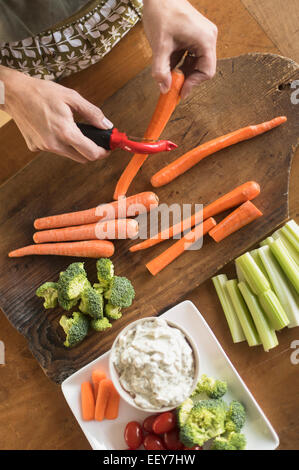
(67, 304)
(205, 421)
(183, 411)
(111, 312)
(72, 282)
(75, 328)
(236, 417)
(92, 303)
(101, 324)
(98, 288)
(213, 388)
(120, 293)
(105, 272)
(229, 441)
(49, 292)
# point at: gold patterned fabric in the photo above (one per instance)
(75, 44)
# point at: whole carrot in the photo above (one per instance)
(105, 389)
(237, 196)
(189, 159)
(112, 405)
(87, 401)
(166, 257)
(107, 230)
(85, 249)
(164, 109)
(123, 208)
(244, 215)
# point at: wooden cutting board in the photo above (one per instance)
(246, 90)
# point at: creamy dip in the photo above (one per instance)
(155, 364)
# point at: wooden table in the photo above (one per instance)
(33, 413)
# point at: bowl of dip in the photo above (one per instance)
(154, 364)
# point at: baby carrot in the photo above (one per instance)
(189, 159)
(242, 216)
(126, 207)
(237, 196)
(85, 249)
(164, 109)
(97, 377)
(174, 251)
(105, 389)
(113, 404)
(107, 230)
(87, 401)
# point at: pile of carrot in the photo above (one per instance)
(88, 233)
(99, 399)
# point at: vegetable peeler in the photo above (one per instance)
(112, 139)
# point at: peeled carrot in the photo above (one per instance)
(125, 207)
(87, 401)
(166, 257)
(105, 389)
(97, 377)
(113, 405)
(164, 109)
(189, 159)
(237, 196)
(86, 249)
(107, 230)
(242, 216)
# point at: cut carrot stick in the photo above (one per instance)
(107, 230)
(237, 196)
(87, 401)
(164, 109)
(166, 257)
(121, 209)
(242, 216)
(97, 377)
(86, 249)
(189, 159)
(113, 405)
(105, 389)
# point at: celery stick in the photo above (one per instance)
(267, 241)
(285, 292)
(239, 272)
(273, 309)
(228, 308)
(266, 333)
(293, 253)
(253, 275)
(243, 313)
(291, 231)
(256, 256)
(286, 262)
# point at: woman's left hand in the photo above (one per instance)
(172, 28)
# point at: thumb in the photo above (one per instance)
(91, 113)
(161, 71)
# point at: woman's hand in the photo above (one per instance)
(172, 27)
(42, 111)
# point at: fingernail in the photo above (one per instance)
(107, 124)
(163, 88)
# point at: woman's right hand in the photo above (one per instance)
(43, 111)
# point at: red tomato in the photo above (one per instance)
(164, 423)
(133, 435)
(152, 442)
(192, 448)
(172, 440)
(148, 423)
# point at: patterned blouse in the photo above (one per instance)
(75, 44)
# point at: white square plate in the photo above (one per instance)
(108, 435)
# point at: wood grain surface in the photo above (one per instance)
(33, 412)
(247, 89)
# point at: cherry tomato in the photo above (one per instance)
(133, 435)
(192, 448)
(172, 440)
(148, 423)
(164, 423)
(152, 442)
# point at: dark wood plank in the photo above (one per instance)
(245, 90)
